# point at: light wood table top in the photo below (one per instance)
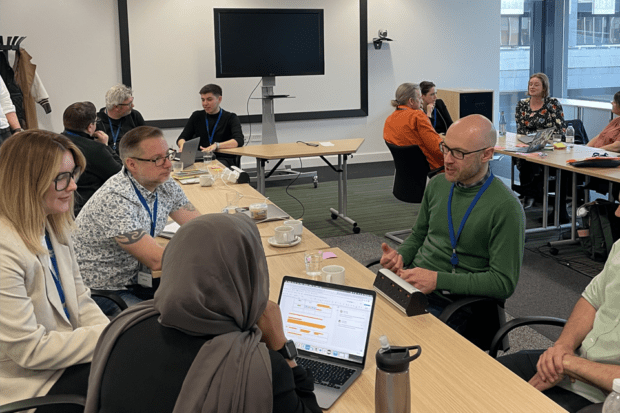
(296, 150)
(451, 374)
(208, 200)
(558, 158)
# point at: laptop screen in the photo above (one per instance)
(327, 319)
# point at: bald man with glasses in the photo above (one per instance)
(116, 229)
(469, 236)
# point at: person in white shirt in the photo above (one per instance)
(8, 118)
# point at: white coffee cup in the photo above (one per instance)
(285, 235)
(297, 225)
(206, 180)
(333, 274)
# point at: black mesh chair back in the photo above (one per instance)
(581, 137)
(412, 170)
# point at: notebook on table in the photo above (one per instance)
(330, 325)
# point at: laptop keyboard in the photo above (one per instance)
(326, 374)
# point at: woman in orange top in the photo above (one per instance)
(609, 138)
(409, 125)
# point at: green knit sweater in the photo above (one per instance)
(490, 249)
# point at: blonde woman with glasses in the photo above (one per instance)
(49, 325)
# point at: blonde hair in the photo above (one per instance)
(29, 163)
(405, 92)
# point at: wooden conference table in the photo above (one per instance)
(281, 151)
(451, 375)
(557, 159)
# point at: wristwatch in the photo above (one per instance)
(217, 146)
(16, 130)
(289, 351)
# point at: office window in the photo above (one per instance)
(515, 43)
(592, 61)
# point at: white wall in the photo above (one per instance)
(453, 43)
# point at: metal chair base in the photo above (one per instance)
(394, 235)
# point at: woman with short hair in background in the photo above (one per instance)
(434, 108)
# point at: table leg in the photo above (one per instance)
(342, 194)
(545, 195)
(573, 226)
(260, 175)
(556, 204)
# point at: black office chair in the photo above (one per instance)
(486, 317)
(520, 322)
(110, 296)
(410, 178)
(50, 400)
(581, 137)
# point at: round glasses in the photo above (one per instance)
(62, 181)
(456, 153)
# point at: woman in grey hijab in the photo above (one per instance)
(196, 347)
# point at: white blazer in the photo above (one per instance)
(37, 341)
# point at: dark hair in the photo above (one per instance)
(211, 88)
(79, 116)
(426, 86)
(617, 98)
(130, 143)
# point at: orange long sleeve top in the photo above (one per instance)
(408, 126)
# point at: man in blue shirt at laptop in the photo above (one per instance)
(215, 127)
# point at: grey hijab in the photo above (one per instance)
(214, 282)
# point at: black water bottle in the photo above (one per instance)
(392, 389)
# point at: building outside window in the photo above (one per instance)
(591, 57)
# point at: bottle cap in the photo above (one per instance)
(396, 359)
(616, 385)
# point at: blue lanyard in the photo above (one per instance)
(72, 133)
(56, 273)
(153, 215)
(209, 134)
(453, 240)
(434, 117)
(115, 134)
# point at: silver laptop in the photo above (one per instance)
(190, 149)
(527, 138)
(539, 141)
(330, 325)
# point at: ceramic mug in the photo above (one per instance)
(297, 225)
(333, 274)
(285, 235)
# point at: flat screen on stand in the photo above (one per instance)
(269, 42)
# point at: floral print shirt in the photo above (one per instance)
(550, 115)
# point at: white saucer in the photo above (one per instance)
(272, 241)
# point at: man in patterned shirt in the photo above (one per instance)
(116, 229)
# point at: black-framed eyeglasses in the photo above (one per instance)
(126, 104)
(456, 153)
(62, 181)
(162, 159)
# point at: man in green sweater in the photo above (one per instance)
(481, 252)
